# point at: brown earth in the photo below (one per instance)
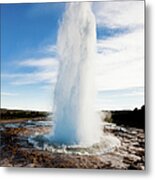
(16, 151)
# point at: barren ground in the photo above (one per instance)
(16, 151)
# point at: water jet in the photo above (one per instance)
(75, 119)
(77, 127)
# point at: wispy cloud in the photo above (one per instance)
(104, 49)
(126, 92)
(8, 94)
(119, 13)
(127, 98)
(110, 32)
(45, 71)
(39, 62)
(48, 49)
(120, 58)
(31, 78)
(121, 55)
(122, 65)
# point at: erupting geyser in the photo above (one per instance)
(75, 119)
(77, 127)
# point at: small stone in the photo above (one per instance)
(30, 165)
(142, 168)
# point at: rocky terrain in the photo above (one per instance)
(16, 151)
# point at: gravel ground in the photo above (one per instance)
(16, 151)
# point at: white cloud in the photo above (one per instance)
(35, 78)
(50, 48)
(123, 66)
(120, 61)
(45, 71)
(43, 62)
(31, 78)
(120, 64)
(8, 94)
(119, 13)
(120, 58)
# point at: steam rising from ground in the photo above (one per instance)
(75, 119)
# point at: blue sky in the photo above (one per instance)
(29, 61)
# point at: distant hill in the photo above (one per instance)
(135, 118)
(17, 114)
